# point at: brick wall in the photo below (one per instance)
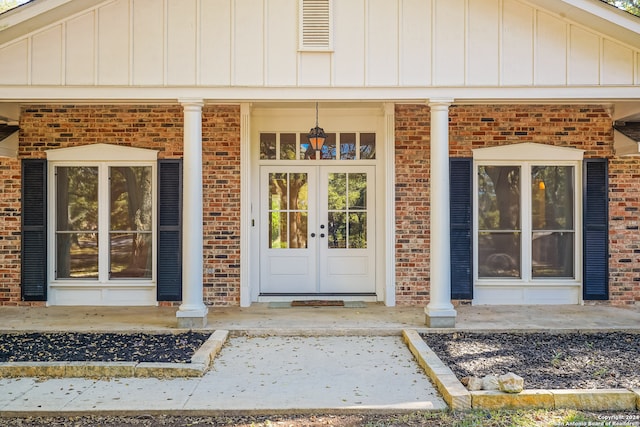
(157, 127)
(221, 200)
(586, 127)
(624, 236)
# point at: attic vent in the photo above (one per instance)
(315, 31)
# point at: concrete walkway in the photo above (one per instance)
(327, 359)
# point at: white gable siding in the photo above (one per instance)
(376, 43)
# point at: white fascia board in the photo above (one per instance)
(220, 95)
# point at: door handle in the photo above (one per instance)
(321, 234)
(313, 234)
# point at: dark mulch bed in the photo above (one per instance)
(100, 347)
(544, 360)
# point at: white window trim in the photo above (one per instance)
(102, 156)
(526, 155)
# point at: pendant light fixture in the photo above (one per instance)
(316, 135)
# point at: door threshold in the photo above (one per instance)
(310, 297)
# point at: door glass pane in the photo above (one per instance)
(357, 191)
(499, 233)
(552, 245)
(367, 146)
(337, 191)
(288, 210)
(131, 211)
(306, 151)
(347, 206)
(337, 230)
(298, 225)
(358, 230)
(347, 146)
(278, 191)
(288, 146)
(278, 230)
(76, 222)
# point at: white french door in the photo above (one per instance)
(317, 230)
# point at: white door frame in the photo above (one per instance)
(336, 117)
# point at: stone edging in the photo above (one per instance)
(459, 398)
(200, 363)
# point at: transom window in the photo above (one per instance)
(337, 146)
(526, 221)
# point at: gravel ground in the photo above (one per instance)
(522, 418)
(544, 360)
(100, 347)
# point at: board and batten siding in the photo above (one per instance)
(375, 43)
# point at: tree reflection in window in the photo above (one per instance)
(347, 210)
(130, 232)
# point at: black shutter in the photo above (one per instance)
(170, 230)
(34, 230)
(595, 230)
(460, 199)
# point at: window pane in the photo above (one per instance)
(77, 256)
(347, 146)
(337, 230)
(268, 146)
(277, 191)
(306, 151)
(288, 210)
(130, 255)
(357, 191)
(499, 198)
(298, 224)
(277, 230)
(131, 203)
(329, 147)
(76, 198)
(337, 191)
(358, 230)
(76, 210)
(288, 146)
(498, 255)
(552, 192)
(552, 254)
(367, 146)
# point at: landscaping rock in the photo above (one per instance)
(474, 384)
(511, 383)
(490, 382)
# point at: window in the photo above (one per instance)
(526, 225)
(103, 222)
(125, 230)
(526, 217)
(337, 146)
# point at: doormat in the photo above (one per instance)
(318, 303)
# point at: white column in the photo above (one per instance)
(192, 312)
(440, 312)
(390, 206)
(245, 204)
